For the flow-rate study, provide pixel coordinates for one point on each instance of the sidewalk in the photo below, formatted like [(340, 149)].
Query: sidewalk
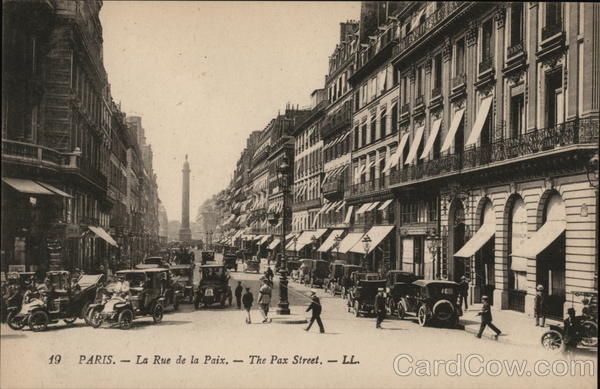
[(517, 328)]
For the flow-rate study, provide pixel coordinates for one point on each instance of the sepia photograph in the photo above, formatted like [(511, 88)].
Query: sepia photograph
[(299, 194)]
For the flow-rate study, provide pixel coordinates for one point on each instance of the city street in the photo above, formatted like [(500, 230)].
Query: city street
[(219, 337)]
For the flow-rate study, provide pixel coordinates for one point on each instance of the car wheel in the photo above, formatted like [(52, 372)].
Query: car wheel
[(553, 341), (84, 310), (38, 321), (400, 310), (422, 316), (589, 336), (126, 318), (157, 313), (93, 317), (356, 309), (15, 322), (70, 320), (196, 303)]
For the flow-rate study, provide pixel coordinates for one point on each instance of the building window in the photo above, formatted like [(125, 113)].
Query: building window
[(363, 133), (408, 213), (486, 41), (394, 118), (373, 127), (553, 14), (437, 74), (383, 124), (356, 137), (554, 98), (459, 64), (517, 115), (516, 24), (419, 82)]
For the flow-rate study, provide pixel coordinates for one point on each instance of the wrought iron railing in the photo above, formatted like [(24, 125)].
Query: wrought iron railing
[(372, 186), (515, 49), (436, 92), (551, 29), (30, 152), (405, 109), (577, 131), (334, 185), (419, 100), (485, 64)]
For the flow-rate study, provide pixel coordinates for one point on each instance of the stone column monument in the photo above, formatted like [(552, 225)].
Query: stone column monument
[(185, 234)]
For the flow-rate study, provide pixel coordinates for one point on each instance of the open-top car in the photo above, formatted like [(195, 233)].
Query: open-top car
[(362, 297), (207, 256), (20, 285), (183, 281), (398, 285), (230, 261), (432, 301), (252, 265), (336, 273), (59, 300), (141, 293), (214, 286), (150, 262), (319, 272)]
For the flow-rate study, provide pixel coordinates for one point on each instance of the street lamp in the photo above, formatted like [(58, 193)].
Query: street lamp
[(314, 245), (367, 244), (592, 176), (282, 180), (434, 244), (336, 245)]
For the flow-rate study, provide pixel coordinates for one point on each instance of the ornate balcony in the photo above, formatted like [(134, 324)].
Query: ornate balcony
[(515, 49), (31, 154), (486, 65), (334, 187), (551, 29), (367, 188), (534, 143), (459, 81), (419, 100)]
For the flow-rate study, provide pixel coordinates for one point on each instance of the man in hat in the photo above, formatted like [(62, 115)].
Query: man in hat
[(463, 292), (486, 318), (538, 307), (264, 300), (247, 300), (315, 307), (380, 307), (572, 325), (238, 294)]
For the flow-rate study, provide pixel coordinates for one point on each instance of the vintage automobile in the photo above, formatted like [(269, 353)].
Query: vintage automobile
[(346, 281), (183, 279), (318, 273), (292, 267), (398, 285), (207, 256), (146, 297), (252, 265), (336, 272), (432, 301), (214, 286), (21, 285), (363, 293), (58, 300), (305, 270), (230, 261), (150, 262)]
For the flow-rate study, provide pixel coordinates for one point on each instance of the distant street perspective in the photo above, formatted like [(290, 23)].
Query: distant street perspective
[(299, 194)]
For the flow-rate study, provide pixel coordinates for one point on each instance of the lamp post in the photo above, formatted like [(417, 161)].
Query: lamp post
[(336, 246), (592, 176), (434, 244), (282, 180), (367, 244), (314, 245)]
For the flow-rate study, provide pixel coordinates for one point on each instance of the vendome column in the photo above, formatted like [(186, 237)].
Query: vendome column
[(185, 234)]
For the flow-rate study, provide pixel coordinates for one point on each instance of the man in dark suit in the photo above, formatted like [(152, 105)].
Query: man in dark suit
[(463, 292), (380, 307), (315, 307), (486, 318)]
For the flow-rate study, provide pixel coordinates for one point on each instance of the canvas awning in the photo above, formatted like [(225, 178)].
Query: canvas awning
[(349, 214), (273, 245), (301, 242), (340, 206), (456, 120), (54, 189), (349, 241), (328, 244), (373, 206), (540, 239), (435, 128), (385, 204), (101, 233), (482, 115), (481, 237), (377, 235), (320, 232), (363, 208), (395, 158), (264, 239), (27, 186), (414, 147)]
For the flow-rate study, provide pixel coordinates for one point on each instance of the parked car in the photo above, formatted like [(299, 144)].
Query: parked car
[(305, 270), (59, 301), (252, 265), (214, 286), (336, 273), (363, 295), (319, 272), (21, 284), (230, 261), (355, 279), (183, 278), (398, 285), (207, 256), (146, 298), (432, 301), (346, 281)]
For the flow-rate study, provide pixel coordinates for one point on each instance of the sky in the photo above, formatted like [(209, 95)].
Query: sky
[(204, 75)]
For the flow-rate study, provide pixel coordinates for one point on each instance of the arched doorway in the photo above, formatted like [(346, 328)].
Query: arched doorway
[(457, 239), (550, 263), (485, 257), (517, 274)]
